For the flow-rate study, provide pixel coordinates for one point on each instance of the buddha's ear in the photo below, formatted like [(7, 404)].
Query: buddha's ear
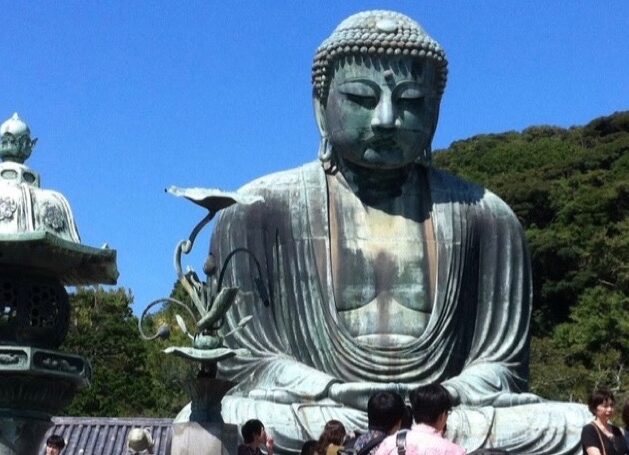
[(435, 120), (319, 110)]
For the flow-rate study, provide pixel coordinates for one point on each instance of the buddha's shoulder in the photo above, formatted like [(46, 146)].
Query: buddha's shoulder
[(279, 182), (449, 188)]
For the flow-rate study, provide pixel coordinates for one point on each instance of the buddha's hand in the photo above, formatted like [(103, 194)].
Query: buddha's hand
[(499, 399), (285, 381), (356, 394), (508, 399), (282, 396)]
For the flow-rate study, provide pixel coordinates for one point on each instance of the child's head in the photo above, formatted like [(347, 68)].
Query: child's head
[(54, 445), (253, 432)]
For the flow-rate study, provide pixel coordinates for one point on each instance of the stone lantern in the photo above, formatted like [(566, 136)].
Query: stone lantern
[(40, 253)]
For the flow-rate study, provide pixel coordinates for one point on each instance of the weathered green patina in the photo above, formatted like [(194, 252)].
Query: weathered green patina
[(383, 272)]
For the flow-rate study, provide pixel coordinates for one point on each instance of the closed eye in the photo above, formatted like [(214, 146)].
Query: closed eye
[(362, 92), (410, 93), (366, 101)]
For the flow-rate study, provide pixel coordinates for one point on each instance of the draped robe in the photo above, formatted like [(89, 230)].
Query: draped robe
[(476, 341)]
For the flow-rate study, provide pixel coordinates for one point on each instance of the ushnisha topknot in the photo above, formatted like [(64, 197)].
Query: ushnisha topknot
[(375, 33)]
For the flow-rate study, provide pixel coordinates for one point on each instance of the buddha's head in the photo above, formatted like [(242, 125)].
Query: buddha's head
[(378, 81)]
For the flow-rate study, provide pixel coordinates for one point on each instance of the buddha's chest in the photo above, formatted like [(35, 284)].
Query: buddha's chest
[(380, 256), (382, 264)]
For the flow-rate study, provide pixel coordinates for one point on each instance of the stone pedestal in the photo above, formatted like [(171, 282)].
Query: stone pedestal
[(201, 438), (199, 428)]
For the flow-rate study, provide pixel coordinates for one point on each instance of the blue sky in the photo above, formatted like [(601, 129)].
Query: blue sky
[(128, 98)]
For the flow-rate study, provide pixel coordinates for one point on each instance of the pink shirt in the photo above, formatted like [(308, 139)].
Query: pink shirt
[(421, 440)]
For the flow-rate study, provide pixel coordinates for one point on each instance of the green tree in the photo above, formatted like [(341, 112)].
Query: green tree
[(570, 190), (131, 376), (588, 351), (104, 330), (170, 374)]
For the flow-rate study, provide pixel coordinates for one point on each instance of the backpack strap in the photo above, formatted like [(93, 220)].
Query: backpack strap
[(371, 444), (400, 442), (600, 438)]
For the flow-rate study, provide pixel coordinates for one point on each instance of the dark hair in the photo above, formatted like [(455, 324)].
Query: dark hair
[(56, 442), (429, 402), (599, 396), (309, 447), (625, 413), (251, 429), (384, 410), (333, 433)]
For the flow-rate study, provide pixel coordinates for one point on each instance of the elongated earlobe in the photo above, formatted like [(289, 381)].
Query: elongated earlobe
[(425, 157), (319, 111), (326, 154), (325, 150)]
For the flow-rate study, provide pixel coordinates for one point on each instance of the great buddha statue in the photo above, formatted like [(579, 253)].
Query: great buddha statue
[(383, 273)]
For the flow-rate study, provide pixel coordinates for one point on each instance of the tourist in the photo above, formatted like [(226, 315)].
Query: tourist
[(254, 435), (600, 437), (385, 411), (431, 406), (55, 444), (332, 438)]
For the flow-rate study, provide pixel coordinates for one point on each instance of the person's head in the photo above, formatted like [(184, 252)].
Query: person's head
[(253, 432), (431, 404), (54, 445), (377, 85), (309, 448), (625, 413), (601, 403), (385, 411), (333, 433), (139, 440)]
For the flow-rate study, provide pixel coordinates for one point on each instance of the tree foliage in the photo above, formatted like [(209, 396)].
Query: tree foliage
[(131, 377), (570, 190), (104, 330)]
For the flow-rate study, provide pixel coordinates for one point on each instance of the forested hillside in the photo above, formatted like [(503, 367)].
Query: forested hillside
[(570, 190)]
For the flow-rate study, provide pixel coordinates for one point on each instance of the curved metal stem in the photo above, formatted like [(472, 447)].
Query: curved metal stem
[(198, 227), (185, 246), (183, 279), (161, 301)]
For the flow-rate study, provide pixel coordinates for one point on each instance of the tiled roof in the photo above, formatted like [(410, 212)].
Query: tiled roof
[(107, 436)]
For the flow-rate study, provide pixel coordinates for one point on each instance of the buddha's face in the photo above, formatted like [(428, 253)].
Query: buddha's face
[(381, 113)]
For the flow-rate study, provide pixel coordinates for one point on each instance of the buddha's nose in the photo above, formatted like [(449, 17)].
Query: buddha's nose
[(384, 115)]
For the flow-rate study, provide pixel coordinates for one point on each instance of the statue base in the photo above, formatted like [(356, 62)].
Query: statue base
[(200, 438), (199, 428)]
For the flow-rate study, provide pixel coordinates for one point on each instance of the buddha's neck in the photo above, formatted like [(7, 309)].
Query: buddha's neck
[(372, 185)]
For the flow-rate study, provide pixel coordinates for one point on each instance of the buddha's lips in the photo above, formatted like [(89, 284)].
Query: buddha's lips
[(386, 142), (382, 146)]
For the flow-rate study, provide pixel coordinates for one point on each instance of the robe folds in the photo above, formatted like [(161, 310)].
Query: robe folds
[(476, 342)]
